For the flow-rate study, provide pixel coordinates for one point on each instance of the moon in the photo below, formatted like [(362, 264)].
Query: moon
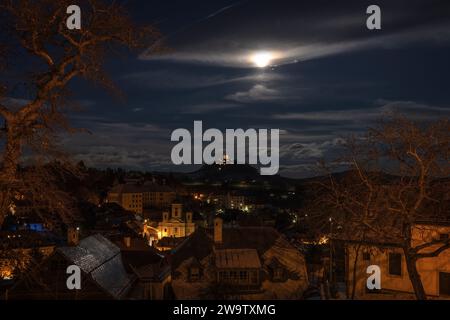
[(261, 59)]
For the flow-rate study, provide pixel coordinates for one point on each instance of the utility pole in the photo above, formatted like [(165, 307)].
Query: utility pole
[(331, 250)]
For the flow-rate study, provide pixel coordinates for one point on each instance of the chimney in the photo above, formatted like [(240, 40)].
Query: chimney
[(73, 236), (218, 230), (127, 241)]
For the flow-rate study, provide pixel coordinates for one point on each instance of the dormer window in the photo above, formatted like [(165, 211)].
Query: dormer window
[(277, 270), (194, 273), (278, 274)]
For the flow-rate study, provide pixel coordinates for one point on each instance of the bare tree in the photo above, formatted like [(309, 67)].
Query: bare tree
[(397, 178), (37, 34)]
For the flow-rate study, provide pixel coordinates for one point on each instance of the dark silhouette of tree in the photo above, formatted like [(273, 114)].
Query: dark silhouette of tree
[(38, 38), (396, 181)]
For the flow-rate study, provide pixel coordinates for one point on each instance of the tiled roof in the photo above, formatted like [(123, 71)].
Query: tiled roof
[(200, 244), (259, 238), (126, 188), (156, 188), (237, 258), (170, 241), (26, 239), (100, 258), (134, 188)]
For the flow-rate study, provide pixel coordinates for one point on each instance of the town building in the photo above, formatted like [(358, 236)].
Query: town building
[(22, 249), (126, 269), (128, 196), (148, 266), (103, 275), (434, 271), (176, 223), (135, 197), (157, 196), (239, 263)]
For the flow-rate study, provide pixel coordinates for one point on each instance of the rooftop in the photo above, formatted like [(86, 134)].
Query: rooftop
[(237, 258), (101, 260), (135, 188)]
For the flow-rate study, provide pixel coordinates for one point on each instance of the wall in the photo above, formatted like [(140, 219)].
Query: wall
[(428, 268)]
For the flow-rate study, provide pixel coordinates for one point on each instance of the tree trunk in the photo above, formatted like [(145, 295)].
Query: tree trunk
[(355, 264), (8, 170), (414, 276)]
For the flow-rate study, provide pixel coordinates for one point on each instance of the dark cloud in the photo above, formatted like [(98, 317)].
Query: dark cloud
[(330, 77)]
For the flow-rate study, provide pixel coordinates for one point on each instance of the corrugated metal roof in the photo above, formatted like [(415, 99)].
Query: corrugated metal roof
[(237, 258), (101, 259)]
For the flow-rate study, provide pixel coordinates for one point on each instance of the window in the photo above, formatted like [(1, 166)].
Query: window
[(243, 276), (444, 283), (366, 256), (278, 274), (443, 236), (194, 273), (395, 264), (223, 276)]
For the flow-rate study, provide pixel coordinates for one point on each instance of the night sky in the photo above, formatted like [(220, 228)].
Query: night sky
[(331, 77)]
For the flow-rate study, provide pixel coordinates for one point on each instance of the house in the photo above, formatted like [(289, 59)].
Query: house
[(166, 229), (434, 271), (128, 196), (168, 243), (236, 199), (135, 197), (237, 262), (177, 223), (21, 249), (103, 275), (150, 268), (157, 196)]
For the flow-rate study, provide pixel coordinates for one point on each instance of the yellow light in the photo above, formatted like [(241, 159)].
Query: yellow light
[(323, 240), (6, 273)]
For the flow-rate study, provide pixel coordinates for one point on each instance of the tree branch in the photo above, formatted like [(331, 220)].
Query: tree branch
[(434, 253)]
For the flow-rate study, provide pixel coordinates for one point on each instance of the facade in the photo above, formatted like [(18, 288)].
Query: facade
[(238, 267), (150, 269), (434, 271), (128, 196), (176, 223), (137, 197), (238, 200), (23, 247), (156, 196)]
